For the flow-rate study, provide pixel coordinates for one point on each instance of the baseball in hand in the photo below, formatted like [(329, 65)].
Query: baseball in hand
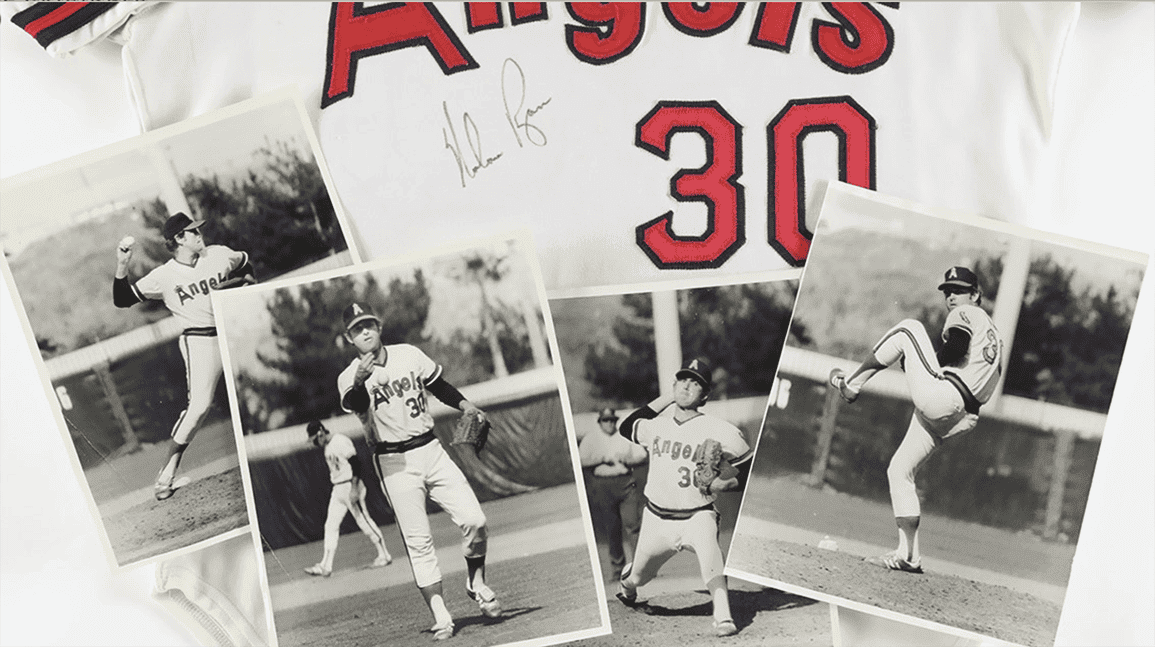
[(126, 243)]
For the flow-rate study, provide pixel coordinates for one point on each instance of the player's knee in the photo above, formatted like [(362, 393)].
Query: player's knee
[(899, 473), (911, 324), (474, 523), (420, 549), (197, 408)]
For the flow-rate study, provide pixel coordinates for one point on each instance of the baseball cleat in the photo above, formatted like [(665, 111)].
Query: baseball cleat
[(165, 489), (626, 595), (838, 381), (725, 628), (486, 600), (382, 560), (443, 632), (894, 563), (319, 570)]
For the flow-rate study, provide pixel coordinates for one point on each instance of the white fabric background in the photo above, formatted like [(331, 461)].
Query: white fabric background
[(55, 585)]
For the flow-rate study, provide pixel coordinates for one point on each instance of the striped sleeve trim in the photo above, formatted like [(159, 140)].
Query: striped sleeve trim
[(48, 22)]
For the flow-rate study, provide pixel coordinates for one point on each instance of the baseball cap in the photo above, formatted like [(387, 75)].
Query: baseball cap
[(699, 369), (356, 313), (607, 414), (315, 429), (960, 277), (177, 223)]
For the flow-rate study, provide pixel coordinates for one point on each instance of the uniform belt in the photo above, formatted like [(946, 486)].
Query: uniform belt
[(207, 331), (970, 402), (676, 515), (386, 447)]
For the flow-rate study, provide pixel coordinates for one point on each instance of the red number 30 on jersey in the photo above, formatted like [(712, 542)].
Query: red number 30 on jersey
[(716, 184)]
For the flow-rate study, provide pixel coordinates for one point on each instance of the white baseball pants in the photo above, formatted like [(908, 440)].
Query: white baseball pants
[(428, 471), (202, 361), (939, 412)]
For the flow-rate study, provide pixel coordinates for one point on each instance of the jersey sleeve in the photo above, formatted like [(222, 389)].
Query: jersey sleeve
[(344, 384), (150, 286), (734, 446), (62, 28), (643, 431), (960, 318), (236, 260), (343, 447), (427, 369)]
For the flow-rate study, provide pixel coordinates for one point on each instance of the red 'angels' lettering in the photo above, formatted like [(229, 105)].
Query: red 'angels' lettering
[(480, 16), (859, 42), (713, 18), (860, 39), (716, 183), (608, 31), (356, 32), (774, 25)]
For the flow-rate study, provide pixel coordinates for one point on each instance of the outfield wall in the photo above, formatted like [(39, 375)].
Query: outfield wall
[(527, 449), (1026, 466), (130, 389)]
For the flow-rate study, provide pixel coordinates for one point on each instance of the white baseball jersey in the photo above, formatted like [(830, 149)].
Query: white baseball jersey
[(674, 450), (399, 402), (185, 288), (639, 141), (981, 366), (338, 452)]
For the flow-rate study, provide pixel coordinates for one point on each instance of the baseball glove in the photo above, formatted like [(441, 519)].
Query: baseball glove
[(709, 466), (472, 429)]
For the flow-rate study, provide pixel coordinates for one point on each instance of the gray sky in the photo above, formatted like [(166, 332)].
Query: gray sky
[(45, 201)]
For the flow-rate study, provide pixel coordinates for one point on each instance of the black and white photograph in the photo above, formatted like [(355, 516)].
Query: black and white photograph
[(668, 386), (950, 378), (412, 467), (113, 256)]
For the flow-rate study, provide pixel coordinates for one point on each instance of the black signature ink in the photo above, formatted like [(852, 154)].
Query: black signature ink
[(520, 124), (472, 139)]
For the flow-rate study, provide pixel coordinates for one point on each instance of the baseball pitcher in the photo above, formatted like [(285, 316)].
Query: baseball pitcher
[(393, 382), (183, 283), (685, 478), (947, 388)]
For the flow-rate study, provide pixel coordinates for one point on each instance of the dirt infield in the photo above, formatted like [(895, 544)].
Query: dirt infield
[(203, 509), (538, 563), (988, 609), (535, 605), (765, 617), (978, 579)]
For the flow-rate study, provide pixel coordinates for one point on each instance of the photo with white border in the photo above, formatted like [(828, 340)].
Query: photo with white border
[(377, 522), (654, 372), (1005, 345), (112, 256)]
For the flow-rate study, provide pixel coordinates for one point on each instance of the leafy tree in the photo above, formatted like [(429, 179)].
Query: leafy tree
[(482, 269), (625, 368), (279, 212), (476, 354), (1068, 345), (311, 350), (739, 328)]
